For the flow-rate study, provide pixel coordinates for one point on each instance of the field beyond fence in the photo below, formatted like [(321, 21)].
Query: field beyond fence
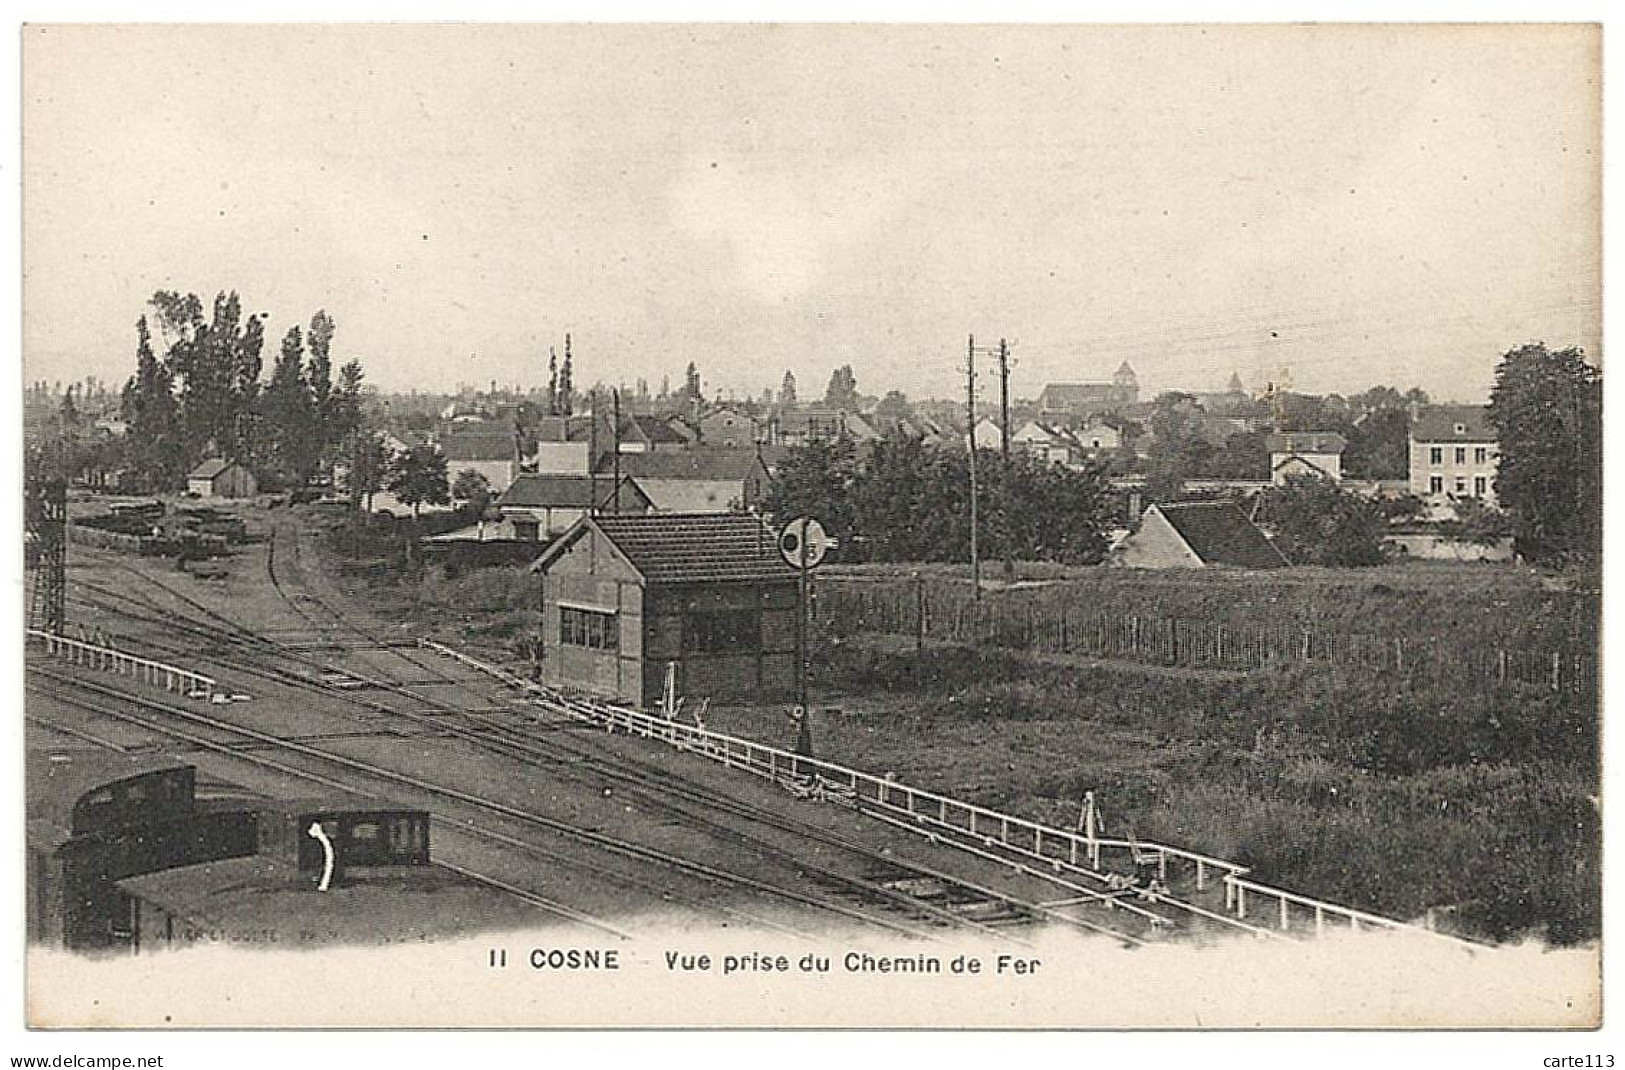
[(1062, 621)]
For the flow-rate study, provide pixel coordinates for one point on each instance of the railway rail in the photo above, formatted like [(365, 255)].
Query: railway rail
[(944, 897), (233, 741)]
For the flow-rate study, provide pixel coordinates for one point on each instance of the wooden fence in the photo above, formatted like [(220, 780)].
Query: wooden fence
[(1045, 851), (905, 608)]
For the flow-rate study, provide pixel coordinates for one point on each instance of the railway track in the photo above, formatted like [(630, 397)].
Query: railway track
[(194, 740), (238, 743), (943, 897)]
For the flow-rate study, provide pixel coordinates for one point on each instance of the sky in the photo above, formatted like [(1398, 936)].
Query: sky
[(1358, 204)]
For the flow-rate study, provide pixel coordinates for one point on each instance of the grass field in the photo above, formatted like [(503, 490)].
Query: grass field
[(1354, 790), (1381, 791)]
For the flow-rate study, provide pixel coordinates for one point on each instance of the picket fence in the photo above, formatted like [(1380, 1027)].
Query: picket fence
[(846, 606)]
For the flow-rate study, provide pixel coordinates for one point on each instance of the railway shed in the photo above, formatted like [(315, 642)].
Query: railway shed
[(705, 596)]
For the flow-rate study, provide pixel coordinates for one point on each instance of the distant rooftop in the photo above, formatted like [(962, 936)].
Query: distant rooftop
[(1453, 423)]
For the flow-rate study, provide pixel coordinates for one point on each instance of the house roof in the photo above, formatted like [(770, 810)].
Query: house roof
[(653, 428), (685, 547), (210, 468), (570, 491), (1220, 534), (1077, 393), (716, 463), (1438, 423), (478, 446), (1306, 442)]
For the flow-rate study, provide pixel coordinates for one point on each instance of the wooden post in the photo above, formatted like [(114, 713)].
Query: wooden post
[(919, 612)]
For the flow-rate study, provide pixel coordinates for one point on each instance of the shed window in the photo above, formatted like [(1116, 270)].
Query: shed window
[(589, 628), (735, 630)]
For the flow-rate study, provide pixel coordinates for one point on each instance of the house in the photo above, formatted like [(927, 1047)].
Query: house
[(540, 506), (1042, 442), (491, 450), (989, 435), (1098, 435), (706, 479), (1454, 452), (221, 478), (705, 597), (1060, 401), (728, 428), (1197, 535), (1305, 453), (801, 426), (644, 433)]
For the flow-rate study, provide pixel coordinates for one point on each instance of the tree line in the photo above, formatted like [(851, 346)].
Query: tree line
[(197, 392), (899, 499)]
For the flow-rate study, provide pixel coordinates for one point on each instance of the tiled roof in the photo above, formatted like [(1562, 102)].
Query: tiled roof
[(209, 469), (689, 547), (695, 547), (478, 446), (566, 491), (1072, 393), (1306, 442), (653, 428), (1220, 534), (1438, 423), (717, 463)]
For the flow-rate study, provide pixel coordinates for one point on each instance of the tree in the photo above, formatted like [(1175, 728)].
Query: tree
[(473, 490), (149, 406), (419, 476), (816, 480), (290, 414), (787, 390), (552, 382), (344, 415), (320, 372), (1379, 445), (1547, 410), (216, 361), (691, 384), (566, 389), (1317, 522), (842, 392), (894, 406), (369, 467)]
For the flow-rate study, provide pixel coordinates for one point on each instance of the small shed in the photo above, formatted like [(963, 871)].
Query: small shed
[(625, 599), (1198, 535), (219, 477)]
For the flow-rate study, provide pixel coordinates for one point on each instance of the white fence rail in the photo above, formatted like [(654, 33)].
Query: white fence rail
[(169, 677), (1060, 850)]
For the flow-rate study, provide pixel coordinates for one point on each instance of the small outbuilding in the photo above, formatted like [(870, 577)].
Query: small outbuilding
[(219, 477), (705, 596), (1198, 535)]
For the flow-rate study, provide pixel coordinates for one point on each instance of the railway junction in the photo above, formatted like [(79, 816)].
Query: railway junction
[(574, 812)]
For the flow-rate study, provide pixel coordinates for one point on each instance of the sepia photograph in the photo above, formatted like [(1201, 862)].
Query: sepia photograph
[(819, 526)]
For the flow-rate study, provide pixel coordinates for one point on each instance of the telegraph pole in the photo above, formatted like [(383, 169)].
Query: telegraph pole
[(970, 422), (615, 491), (592, 454), (1004, 448)]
